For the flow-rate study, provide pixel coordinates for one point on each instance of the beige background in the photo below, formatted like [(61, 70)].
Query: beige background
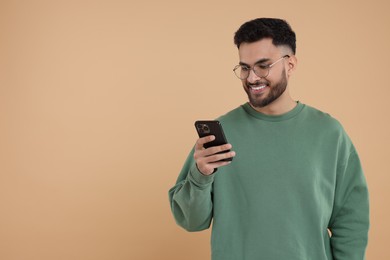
[(98, 100)]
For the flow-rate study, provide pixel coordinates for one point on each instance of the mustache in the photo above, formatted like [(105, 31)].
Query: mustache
[(257, 83)]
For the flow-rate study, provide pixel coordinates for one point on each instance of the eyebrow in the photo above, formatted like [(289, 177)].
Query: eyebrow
[(257, 62)]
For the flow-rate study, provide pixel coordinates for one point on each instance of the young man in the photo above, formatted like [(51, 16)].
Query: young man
[(295, 175)]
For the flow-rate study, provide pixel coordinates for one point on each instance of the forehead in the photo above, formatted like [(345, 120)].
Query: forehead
[(249, 53)]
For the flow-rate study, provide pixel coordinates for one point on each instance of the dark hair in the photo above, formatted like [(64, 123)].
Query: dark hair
[(277, 29)]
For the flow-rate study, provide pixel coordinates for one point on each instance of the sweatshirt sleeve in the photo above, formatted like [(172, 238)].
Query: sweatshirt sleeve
[(191, 197), (349, 222)]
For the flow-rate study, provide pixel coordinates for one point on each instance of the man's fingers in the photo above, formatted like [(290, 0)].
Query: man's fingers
[(218, 164), (201, 141), (218, 157), (207, 165), (218, 149), (213, 157), (199, 153)]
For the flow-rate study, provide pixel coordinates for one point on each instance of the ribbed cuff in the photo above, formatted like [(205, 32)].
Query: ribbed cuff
[(198, 178)]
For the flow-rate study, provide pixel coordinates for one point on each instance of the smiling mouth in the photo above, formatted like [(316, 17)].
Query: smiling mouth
[(258, 87)]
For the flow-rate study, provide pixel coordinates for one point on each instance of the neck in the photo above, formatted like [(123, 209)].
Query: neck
[(280, 106)]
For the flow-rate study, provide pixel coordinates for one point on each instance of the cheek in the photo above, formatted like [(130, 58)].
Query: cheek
[(288, 70), (276, 78), (244, 83)]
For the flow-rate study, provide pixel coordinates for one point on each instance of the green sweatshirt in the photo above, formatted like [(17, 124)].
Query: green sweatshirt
[(294, 177)]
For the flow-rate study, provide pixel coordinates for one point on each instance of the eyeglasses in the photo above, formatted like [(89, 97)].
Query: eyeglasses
[(262, 71)]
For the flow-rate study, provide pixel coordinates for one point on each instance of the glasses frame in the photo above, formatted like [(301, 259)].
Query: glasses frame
[(253, 69)]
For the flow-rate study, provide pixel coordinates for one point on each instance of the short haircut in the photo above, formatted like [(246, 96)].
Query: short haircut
[(261, 28)]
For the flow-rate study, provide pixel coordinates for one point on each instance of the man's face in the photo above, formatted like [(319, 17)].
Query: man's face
[(263, 91)]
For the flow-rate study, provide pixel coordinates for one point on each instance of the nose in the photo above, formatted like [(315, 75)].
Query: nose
[(252, 77)]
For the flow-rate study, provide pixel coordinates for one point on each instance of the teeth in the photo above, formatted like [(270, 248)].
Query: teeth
[(258, 87)]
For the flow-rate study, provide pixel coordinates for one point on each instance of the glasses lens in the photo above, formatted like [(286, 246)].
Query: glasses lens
[(261, 70), (241, 72)]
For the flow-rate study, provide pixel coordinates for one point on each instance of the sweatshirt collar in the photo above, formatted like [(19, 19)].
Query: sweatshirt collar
[(290, 114)]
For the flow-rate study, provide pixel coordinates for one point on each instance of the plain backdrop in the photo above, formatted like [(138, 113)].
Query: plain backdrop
[(98, 101)]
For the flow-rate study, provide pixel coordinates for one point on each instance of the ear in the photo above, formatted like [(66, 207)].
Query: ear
[(292, 63)]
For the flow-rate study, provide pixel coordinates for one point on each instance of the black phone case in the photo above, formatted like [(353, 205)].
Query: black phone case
[(212, 127)]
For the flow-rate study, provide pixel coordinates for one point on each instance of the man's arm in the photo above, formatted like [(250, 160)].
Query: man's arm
[(191, 197), (349, 223)]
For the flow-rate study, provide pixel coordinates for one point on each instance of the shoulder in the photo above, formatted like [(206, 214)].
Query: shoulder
[(328, 126), (321, 119)]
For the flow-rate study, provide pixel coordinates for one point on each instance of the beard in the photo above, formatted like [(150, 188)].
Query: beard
[(275, 91)]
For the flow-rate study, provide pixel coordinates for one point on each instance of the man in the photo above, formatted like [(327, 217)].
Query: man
[(295, 189)]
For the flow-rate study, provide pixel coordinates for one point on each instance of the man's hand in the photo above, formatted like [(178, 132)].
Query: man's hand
[(209, 159)]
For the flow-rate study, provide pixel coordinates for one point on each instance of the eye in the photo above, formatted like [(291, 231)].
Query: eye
[(262, 67), (245, 68)]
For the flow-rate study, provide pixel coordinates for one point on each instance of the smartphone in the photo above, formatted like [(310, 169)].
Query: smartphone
[(212, 127)]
